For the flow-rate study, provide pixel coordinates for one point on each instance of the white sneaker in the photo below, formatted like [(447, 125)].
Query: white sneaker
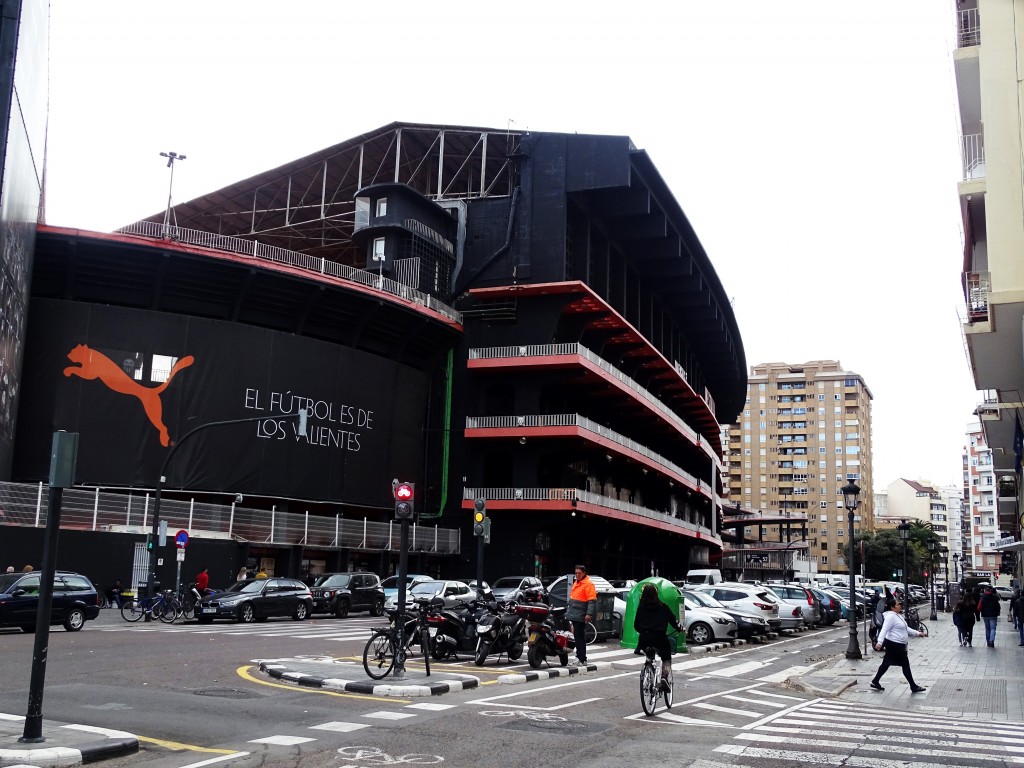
[(573, 663)]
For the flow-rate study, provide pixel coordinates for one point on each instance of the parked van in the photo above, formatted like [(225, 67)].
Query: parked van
[(704, 576)]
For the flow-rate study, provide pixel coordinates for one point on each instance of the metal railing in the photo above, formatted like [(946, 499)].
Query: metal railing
[(568, 494), (304, 261), (575, 420), (977, 287), (968, 28), (972, 154), (91, 509), (551, 350)]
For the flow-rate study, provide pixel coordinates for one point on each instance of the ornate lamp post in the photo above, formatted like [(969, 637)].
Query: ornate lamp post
[(931, 572), (956, 559), (944, 559), (904, 529), (850, 494)]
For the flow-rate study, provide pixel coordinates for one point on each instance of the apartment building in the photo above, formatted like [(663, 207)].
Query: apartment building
[(925, 502), (988, 38), (981, 528), (804, 431)]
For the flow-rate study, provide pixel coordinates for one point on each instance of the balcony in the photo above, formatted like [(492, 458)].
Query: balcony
[(977, 287), (972, 155), (570, 499), (968, 28), (572, 424)]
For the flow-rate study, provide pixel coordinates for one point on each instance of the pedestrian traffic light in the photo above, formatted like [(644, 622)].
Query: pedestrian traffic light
[(405, 501), (479, 516), (149, 542)]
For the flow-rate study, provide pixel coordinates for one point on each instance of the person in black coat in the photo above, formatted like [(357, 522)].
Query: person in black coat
[(989, 609), (651, 623)]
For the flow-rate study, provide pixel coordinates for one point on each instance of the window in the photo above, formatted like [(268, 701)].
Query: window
[(823, 504), (378, 248), (382, 207), (839, 531), (837, 397)]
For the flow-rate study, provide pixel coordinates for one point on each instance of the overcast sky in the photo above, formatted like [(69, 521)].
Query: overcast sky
[(812, 145)]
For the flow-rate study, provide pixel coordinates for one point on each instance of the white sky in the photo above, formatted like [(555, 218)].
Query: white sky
[(813, 145)]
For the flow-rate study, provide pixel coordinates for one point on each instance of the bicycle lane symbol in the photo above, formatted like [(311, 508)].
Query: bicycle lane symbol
[(370, 756)]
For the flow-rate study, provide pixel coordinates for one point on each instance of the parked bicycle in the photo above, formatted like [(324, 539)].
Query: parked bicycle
[(650, 679), (158, 607), (383, 648)]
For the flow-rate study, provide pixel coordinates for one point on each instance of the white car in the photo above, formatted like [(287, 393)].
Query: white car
[(454, 594), (754, 599), (1005, 593), (708, 625)]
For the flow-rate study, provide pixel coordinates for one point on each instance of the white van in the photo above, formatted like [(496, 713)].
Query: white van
[(704, 576)]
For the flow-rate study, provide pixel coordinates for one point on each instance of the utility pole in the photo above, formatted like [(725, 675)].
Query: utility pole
[(171, 157)]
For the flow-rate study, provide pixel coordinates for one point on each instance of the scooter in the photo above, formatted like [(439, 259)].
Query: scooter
[(544, 638), (453, 630), (500, 630)]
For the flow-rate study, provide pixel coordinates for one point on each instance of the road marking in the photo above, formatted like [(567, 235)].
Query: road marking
[(179, 746), (340, 727), (282, 741), (759, 702), (213, 760), (727, 710)]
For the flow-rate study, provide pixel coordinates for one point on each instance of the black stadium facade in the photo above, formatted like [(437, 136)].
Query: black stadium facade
[(526, 318)]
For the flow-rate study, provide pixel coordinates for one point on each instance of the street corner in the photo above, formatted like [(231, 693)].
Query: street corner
[(334, 675)]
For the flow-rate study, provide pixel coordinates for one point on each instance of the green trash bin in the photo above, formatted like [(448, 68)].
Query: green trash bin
[(669, 594)]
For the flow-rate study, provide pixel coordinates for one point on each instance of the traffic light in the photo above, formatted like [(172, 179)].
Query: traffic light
[(479, 517), (405, 501), (149, 542)]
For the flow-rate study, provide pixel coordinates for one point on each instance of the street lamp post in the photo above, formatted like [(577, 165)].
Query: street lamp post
[(931, 573), (171, 157), (850, 494), (904, 529), (956, 559), (944, 559)]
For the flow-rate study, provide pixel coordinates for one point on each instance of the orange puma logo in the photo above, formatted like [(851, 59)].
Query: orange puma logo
[(95, 365)]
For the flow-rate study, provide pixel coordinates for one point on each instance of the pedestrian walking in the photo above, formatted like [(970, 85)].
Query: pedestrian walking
[(1012, 612), (967, 610), (202, 581), (243, 574), (989, 609), (893, 638), (10, 569), (582, 606), (1018, 614)]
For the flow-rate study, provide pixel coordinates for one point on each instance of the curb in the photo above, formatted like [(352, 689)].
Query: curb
[(115, 746), (281, 672), (547, 674), (831, 693)]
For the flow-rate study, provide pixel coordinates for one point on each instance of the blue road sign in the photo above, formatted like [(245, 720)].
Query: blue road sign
[(181, 539)]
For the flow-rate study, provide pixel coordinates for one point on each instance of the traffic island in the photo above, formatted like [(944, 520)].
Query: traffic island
[(335, 675)]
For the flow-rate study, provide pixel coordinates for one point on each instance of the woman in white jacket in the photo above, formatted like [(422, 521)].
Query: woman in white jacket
[(893, 637)]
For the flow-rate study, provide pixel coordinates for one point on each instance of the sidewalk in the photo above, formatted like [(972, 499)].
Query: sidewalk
[(974, 683), (64, 745)]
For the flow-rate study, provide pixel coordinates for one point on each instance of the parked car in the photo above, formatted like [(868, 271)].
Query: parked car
[(342, 593), (707, 625), (796, 595), (844, 598), (75, 600), (1005, 593), (454, 593), (472, 585), (747, 624), (390, 584), (831, 606), (754, 599), (512, 587), (258, 600)]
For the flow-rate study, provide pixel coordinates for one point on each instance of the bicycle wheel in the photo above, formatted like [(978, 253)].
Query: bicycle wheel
[(379, 654), (648, 689), (132, 610), (590, 633), (188, 609), (171, 611), (425, 647), (668, 693)]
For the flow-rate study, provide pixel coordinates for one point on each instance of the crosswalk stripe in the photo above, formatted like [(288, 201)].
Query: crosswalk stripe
[(738, 669), (729, 710), (951, 740), (757, 692), (795, 671), (825, 758), (759, 702), (789, 740)]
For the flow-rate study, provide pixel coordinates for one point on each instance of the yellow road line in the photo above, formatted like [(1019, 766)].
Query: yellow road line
[(243, 672), (177, 746)]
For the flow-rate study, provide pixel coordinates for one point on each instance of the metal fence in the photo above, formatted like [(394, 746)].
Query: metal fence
[(92, 509), (292, 258), (972, 147)]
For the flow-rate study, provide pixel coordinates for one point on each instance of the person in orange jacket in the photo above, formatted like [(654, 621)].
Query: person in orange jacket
[(581, 608)]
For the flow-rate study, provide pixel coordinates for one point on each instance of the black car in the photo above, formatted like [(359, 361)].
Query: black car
[(257, 600), (74, 600), (341, 593)]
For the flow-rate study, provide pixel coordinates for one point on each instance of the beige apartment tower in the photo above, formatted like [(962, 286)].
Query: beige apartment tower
[(805, 430)]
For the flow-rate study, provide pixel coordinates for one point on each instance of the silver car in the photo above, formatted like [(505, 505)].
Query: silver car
[(795, 595), (707, 625), (755, 599), (454, 593)]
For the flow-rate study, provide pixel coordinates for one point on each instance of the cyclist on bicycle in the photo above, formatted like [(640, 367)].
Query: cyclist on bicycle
[(651, 623)]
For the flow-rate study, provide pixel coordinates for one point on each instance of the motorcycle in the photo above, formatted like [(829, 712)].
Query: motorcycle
[(453, 630), (500, 630), (545, 639)]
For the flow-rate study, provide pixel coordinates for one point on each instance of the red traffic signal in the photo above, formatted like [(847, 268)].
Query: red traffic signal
[(404, 492)]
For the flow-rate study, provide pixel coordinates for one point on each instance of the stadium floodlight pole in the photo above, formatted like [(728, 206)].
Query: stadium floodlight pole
[(171, 157), (850, 493), (302, 415)]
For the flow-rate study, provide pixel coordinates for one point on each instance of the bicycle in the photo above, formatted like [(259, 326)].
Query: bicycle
[(383, 648), (650, 679), (158, 607)]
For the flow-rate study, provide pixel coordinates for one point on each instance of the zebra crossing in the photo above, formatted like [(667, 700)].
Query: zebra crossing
[(827, 732)]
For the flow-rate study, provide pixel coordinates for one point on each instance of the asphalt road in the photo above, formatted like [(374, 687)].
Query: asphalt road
[(195, 697)]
